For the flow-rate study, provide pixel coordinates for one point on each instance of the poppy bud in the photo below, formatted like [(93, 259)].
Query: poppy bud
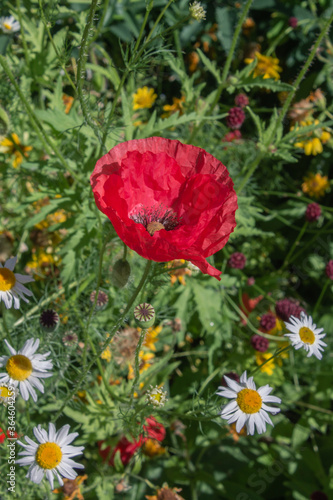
[(49, 320), (120, 273), (144, 315)]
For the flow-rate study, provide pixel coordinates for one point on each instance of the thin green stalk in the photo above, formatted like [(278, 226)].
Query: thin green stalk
[(257, 332), (137, 365), (105, 345), (81, 65), (101, 21), (150, 34), (320, 298), (310, 242), (49, 145), (275, 355), (63, 66), (5, 326), (296, 242), (179, 49), (226, 67), (24, 42)]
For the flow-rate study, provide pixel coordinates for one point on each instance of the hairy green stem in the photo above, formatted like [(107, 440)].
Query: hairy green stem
[(5, 326), (81, 65), (63, 66), (24, 42), (296, 242), (49, 145), (137, 365)]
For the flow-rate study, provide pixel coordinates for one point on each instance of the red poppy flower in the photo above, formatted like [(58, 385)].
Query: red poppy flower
[(127, 449), (154, 429), (9, 434), (166, 200)]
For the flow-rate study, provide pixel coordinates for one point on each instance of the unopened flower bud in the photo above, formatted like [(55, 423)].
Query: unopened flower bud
[(120, 273), (156, 396), (49, 320), (144, 315)]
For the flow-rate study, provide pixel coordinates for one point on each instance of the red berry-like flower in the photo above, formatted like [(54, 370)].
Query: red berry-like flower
[(288, 307), (293, 22), (232, 136), (241, 100), (329, 269), (231, 375), (268, 322), (237, 260), (259, 343), (236, 117), (313, 212), (127, 449), (166, 200)]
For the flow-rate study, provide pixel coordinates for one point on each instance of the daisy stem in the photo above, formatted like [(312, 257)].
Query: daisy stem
[(5, 326), (275, 355), (296, 242), (222, 83), (48, 144), (320, 298), (137, 365), (24, 42)]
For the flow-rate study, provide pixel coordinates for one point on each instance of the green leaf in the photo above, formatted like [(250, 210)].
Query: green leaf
[(208, 303), (76, 415), (225, 17), (58, 119), (257, 123), (210, 65), (265, 83)]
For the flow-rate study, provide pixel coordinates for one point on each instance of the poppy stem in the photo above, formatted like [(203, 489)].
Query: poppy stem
[(137, 366), (296, 242), (24, 42), (320, 298)]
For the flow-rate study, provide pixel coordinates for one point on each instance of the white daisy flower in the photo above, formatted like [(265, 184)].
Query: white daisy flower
[(9, 25), (305, 334), (52, 456), (248, 405), (11, 285), (156, 396), (24, 368), (8, 394)]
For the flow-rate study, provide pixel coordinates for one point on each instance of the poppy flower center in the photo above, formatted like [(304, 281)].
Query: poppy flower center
[(249, 401), (7, 279), (307, 336), (48, 455), (156, 218), (19, 367)]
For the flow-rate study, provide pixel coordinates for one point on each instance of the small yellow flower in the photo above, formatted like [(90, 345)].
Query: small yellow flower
[(152, 337), (152, 448), (178, 273), (312, 145), (266, 66), (177, 105), (68, 102), (261, 357), (144, 98), (42, 264), (144, 360), (315, 185), (12, 146)]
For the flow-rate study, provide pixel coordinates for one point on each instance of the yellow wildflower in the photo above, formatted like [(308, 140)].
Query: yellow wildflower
[(177, 105), (42, 264), (152, 337), (315, 185), (261, 357), (317, 137), (68, 102), (144, 363), (152, 448), (11, 145), (106, 354), (266, 66), (178, 273), (71, 488), (144, 98)]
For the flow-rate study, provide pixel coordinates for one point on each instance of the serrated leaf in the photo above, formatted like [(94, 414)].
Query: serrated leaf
[(265, 83), (210, 65), (68, 266), (58, 119), (257, 123)]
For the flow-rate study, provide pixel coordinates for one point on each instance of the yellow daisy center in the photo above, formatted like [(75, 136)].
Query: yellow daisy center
[(7, 26), (4, 392), (307, 335), (7, 279), (157, 396), (19, 367), (249, 401), (48, 455)]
